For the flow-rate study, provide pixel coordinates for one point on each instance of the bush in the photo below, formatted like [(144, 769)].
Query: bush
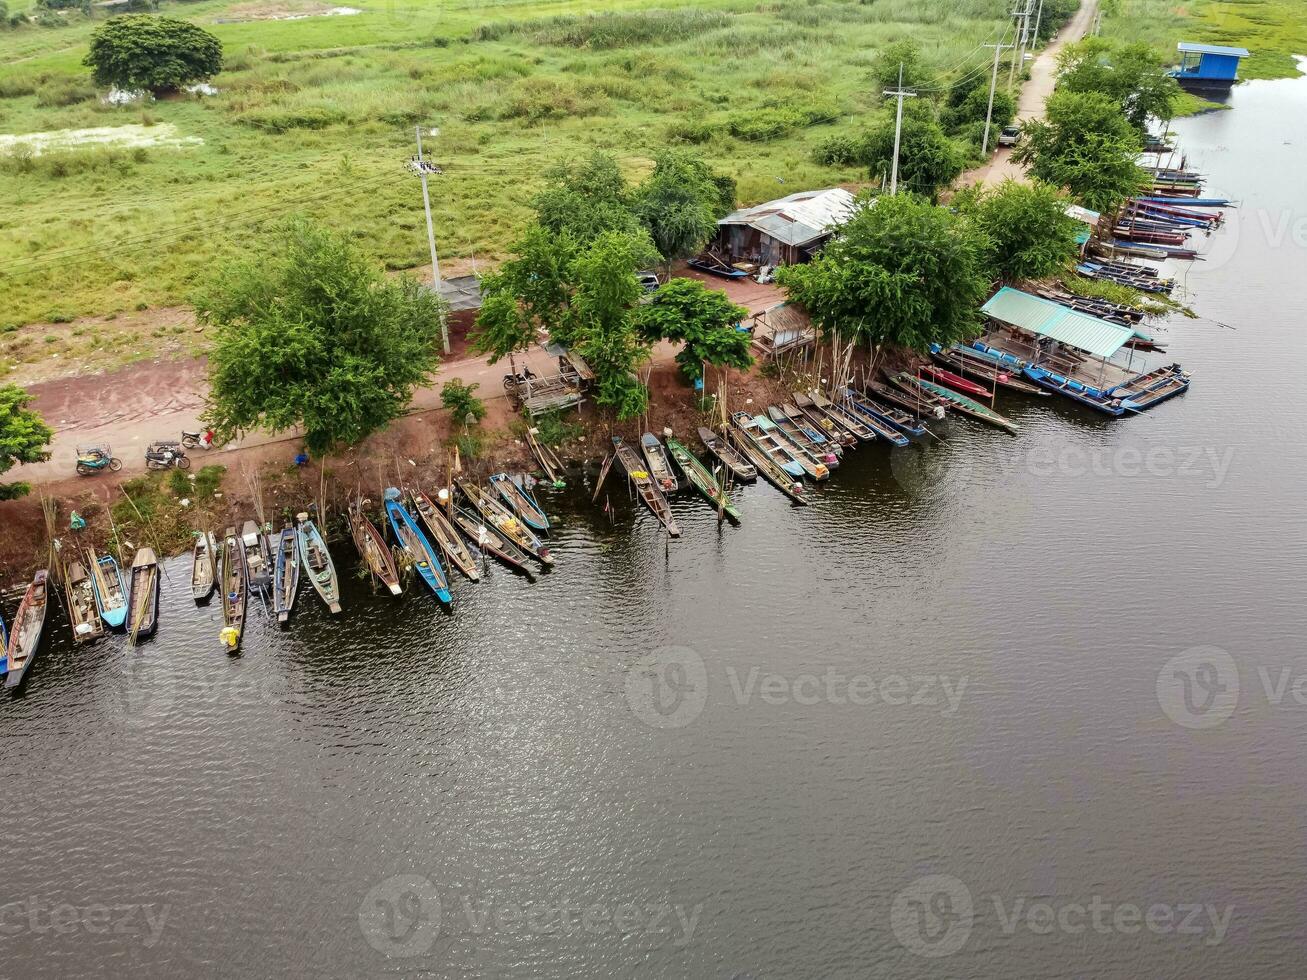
[(462, 401), (538, 99), (611, 29), (64, 92), (841, 150), (284, 119), (690, 131)]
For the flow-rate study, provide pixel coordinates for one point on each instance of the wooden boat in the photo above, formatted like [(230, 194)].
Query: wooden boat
[(966, 361), (701, 479), (740, 467), (286, 574), (659, 468), (955, 382), (420, 552), (258, 559), (143, 596), (204, 566), (110, 592), (833, 418), (520, 500), (505, 522), (233, 581), (475, 529), (786, 483), (446, 537), (819, 446), (645, 486), (917, 403), (4, 646), (960, 403), (372, 548), (549, 462), (769, 430), (83, 615), (25, 637), (316, 559), (749, 431), (904, 423), (850, 404)]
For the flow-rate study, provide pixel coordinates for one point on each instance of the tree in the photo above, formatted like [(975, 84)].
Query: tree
[(24, 437), (161, 54), (902, 271), (680, 202), (461, 400), (1030, 234), (1133, 74), (585, 199), (928, 159), (311, 333), (905, 54), (1086, 145), (686, 311), (529, 294), (975, 105)]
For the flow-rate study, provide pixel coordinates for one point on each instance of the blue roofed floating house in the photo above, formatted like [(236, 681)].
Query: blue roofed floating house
[(1210, 66), (1074, 354)]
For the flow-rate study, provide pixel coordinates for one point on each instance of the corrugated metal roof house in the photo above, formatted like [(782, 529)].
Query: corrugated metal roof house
[(785, 231), (1207, 65)]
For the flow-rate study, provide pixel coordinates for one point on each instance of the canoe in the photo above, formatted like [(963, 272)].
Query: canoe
[(110, 592), (419, 551), (4, 646), (83, 615), (25, 637), (645, 486), (955, 381), (882, 429), (916, 403), (316, 559), (520, 500), (815, 443), (143, 596), (372, 548), (749, 430), (204, 566), (549, 462), (445, 536), (701, 479), (258, 559), (964, 360), (234, 583), (959, 402), (504, 521), (732, 460), (478, 533), (286, 574), (659, 469), (792, 486), (903, 422), (833, 418), (770, 431)]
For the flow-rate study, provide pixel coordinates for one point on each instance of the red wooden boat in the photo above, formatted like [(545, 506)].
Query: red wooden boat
[(956, 381)]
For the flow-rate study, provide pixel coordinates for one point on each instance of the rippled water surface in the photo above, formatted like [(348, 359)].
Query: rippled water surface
[(955, 664)]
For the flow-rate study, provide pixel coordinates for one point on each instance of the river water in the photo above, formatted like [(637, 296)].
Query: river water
[(1020, 707)]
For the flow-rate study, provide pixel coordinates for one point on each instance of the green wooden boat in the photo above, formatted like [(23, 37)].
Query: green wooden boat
[(702, 479), (956, 401)]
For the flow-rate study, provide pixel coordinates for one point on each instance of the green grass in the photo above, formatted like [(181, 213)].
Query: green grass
[(317, 115)]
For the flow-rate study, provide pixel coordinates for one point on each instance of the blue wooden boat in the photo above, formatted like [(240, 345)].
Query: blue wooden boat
[(316, 559), (415, 544), (1139, 393), (4, 646), (749, 429), (1189, 202), (520, 500), (286, 574), (892, 424), (110, 592)]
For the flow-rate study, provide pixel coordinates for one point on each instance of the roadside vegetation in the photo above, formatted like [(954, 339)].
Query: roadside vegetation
[(24, 437)]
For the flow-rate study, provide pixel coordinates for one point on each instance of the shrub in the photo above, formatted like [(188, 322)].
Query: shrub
[(537, 99), (64, 92), (281, 120), (462, 401), (690, 131)]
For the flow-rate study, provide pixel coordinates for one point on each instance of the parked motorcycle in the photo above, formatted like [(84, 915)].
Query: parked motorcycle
[(197, 440), (93, 459), (165, 455)]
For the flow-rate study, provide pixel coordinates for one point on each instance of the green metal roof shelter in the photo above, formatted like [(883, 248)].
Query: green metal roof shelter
[(1037, 315)]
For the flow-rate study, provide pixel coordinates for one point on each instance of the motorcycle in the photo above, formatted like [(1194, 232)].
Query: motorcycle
[(196, 440), (93, 459), (165, 455)]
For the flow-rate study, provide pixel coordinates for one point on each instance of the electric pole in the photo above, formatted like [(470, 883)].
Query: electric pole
[(1012, 70), (900, 93), (1039, 16), (993, 82), (431, 240)]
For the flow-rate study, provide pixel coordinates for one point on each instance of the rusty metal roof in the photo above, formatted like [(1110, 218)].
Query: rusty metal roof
[(798, 219)]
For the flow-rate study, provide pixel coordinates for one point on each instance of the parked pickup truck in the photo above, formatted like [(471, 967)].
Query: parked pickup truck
[(1009, 136)]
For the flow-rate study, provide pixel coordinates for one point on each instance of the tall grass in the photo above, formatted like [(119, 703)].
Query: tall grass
[(612, 29)]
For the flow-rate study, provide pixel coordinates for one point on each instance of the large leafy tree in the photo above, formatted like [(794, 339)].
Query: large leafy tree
[(311, 333), (905, 55), (1133, 74), (1030, 234), (24, 436), (928, 159), (902, 271), (703, 320), (1086, 145), (530, 293), (680, 202), (161, 54), (586, 198)]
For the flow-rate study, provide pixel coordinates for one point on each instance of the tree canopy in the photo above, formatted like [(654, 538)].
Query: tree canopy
[(24, 436), (161, 54), (928, 159), (311, 333), (680, 202), (586, 198), (902, 271), (1133, 74), (1030, 234), (702, 319)]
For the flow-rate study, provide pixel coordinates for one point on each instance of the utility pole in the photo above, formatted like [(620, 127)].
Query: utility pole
[(1039, 16), (900, 93), (993, 82), (1012, 69), (431, 240)]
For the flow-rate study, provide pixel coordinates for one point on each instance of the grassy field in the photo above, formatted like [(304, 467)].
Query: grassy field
[(317, 115)]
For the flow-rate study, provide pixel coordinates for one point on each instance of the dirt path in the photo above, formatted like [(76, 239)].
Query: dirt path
[(1034, 94)]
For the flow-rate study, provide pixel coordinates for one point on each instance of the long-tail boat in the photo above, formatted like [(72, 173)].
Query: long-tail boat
[(896, 419), (372, 548), (645, 486), (740, 467), (316, 559), (833, 418), (700, 477), (504, 521), (414, 544), (769, 430), (965, 360), (446, 537), (143, 595), (955, 382), (4, 646), (918, 403), (286, 574), (788, 484), (659, 468), (258, 559), (25, 637), (475, 529), (520, 500), (549, 462), (110, 592), (750, 432), (816, 443), (234, 582), (959, 402), (885, 431), (83, 615), (204, 566)]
